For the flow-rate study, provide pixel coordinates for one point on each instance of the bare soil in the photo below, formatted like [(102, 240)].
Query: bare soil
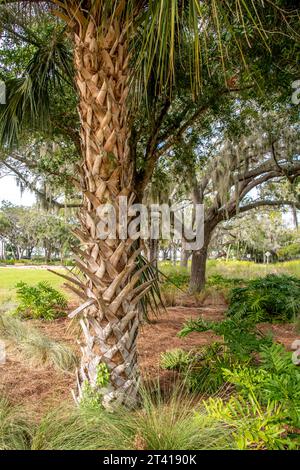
[(40, 388)]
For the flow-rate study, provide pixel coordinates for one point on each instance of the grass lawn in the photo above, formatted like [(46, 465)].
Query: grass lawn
[(249, 270), (231, 269), (9, 277)]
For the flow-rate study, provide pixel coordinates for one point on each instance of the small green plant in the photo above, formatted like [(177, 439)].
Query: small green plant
[(40, 301), (239, 335), (202, 370), (175, 359), (92, 396), (275, 379), (102, 375), (253, 426), (274, 298)]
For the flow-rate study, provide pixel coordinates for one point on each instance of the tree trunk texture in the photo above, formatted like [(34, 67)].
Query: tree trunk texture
[(198, 269), (199, 258), (295, 216), (153, 252), (110, 292)]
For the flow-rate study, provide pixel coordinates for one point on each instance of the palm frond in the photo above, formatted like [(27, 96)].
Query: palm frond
[(171, 34), (152, 300), (163, 36), (28, 96)]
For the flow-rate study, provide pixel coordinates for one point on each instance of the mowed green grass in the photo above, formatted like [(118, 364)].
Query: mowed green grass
[(9, 277)]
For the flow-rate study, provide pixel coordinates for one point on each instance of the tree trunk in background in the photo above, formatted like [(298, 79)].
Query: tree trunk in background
[(109, 314), (295, 216), (198, 269), (185, 255), (19, 253), (174, 255), (199, 258), (48, 253), (2, 249)]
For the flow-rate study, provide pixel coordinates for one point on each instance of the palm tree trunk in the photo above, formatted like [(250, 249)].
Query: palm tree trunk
[(154, 252), (109, 314)]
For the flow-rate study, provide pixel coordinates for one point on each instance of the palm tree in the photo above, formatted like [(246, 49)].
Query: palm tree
[(120, 46)]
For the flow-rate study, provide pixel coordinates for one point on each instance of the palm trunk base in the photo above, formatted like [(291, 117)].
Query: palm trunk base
[(109, 372)]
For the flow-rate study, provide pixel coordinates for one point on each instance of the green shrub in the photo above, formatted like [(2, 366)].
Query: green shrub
[(253, 426), (175, 359), (239, 335), (40, 301), (7, 262), (240, 340), (289, 252), (205, 374), (272, 298), (276, 379), (202, 370)]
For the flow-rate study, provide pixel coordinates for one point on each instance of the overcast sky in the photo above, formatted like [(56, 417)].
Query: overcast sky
[(9, 191)]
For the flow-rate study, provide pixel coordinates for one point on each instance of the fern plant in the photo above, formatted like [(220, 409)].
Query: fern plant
[(175, 359), (272, 298), (253, 426), (239, 335), (205, 375), (276, 379), (202, 370)]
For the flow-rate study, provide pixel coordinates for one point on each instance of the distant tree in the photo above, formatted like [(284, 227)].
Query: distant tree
[(251, 234), (14, 229), (53, 234), (230, 173), (25, 229)]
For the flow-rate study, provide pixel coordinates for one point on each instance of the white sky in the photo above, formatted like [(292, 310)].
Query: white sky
[(9, 191)]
